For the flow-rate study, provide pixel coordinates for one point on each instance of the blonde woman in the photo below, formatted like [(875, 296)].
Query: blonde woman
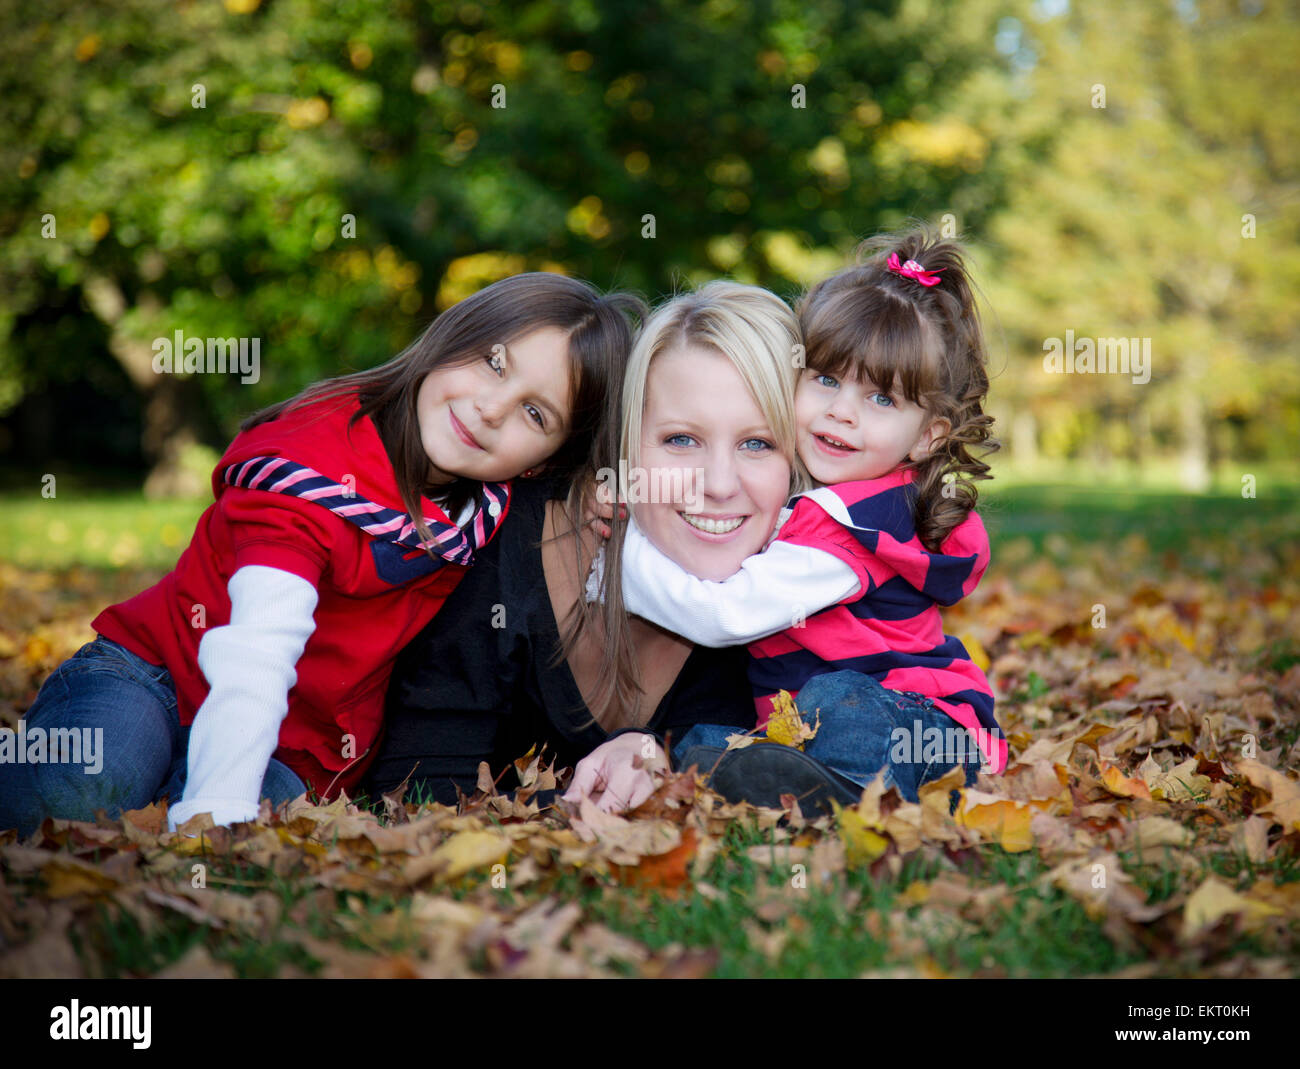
[(706, 411)]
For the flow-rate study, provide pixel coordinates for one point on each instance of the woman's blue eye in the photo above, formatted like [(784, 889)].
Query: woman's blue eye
[(763, 443), (679, 439)]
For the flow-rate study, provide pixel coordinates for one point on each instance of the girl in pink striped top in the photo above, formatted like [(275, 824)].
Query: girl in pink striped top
[(841, 608)]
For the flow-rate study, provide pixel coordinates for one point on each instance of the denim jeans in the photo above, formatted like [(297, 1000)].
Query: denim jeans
[(105, 692), (865, 728)]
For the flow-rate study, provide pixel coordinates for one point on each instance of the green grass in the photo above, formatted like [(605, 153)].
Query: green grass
[(1107, 516), (89, 525), (97, 530)]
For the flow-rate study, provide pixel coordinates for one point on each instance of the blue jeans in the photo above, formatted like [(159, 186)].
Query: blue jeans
[(865, 728), (132, 745)]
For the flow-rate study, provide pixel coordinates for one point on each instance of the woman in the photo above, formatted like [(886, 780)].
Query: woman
[(709, 395)]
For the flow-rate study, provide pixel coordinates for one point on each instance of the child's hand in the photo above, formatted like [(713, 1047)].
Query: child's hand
[(602, 509), (619, 774)]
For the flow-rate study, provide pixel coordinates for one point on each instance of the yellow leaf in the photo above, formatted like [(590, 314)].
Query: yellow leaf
[(1214, 900), (786, 725), (466, 851), (68, 876), (1179, 784), (862, 845), (1003, 821), (975, 650), (1117, 783), (1285, 792)]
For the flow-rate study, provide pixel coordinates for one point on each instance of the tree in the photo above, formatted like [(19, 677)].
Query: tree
[(1154, 197), (322, 178)]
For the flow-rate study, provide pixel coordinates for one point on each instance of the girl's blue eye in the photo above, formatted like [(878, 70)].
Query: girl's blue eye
[(883, 398), (827, 381), (763, 444), (679, 439), (536, 413), (495, 363)]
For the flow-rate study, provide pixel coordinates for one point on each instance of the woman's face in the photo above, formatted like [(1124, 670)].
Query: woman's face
[(701, 420)]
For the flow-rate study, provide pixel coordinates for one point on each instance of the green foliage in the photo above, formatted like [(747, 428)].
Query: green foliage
[(1151, 196), (228, 220), (468, 141)]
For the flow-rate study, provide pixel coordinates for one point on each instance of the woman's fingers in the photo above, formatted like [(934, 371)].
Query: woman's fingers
[(628, 788), (586, 778)]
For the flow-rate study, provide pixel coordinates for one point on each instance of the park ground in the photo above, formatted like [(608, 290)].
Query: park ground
[(1145, 649)]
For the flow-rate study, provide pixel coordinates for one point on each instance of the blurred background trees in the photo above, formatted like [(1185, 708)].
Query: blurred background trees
[(326, 177)]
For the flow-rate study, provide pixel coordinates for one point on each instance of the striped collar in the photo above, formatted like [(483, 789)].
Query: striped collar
[(457, 545)]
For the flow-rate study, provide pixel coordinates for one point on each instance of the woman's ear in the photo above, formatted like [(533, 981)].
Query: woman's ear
[(930, 437)]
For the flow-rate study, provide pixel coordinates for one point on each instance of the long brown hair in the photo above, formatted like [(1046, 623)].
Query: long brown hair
[(600, 336), (871, 323)]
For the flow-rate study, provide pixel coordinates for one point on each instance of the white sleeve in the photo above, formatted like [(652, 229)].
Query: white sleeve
[(250, 667), (771, 591)]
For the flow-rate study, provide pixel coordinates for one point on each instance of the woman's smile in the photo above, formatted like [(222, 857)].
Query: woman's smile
[(715, 528)]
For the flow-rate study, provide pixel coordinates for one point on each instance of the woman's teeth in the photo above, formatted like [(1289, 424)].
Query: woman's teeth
[(713, 526)]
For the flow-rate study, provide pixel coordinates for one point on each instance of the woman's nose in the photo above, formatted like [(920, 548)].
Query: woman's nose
[(720, 476)]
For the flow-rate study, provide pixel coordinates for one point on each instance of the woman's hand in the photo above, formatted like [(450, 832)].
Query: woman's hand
[(619, 774)]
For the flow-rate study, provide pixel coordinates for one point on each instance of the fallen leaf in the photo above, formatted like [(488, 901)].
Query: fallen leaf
[(1213, 901), (464, 852)]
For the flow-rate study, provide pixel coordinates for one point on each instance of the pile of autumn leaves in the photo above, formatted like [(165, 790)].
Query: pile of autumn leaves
[(1149, 744)]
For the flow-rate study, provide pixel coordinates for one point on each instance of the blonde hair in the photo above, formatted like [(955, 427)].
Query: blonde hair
[(752, 328), (759, 334)]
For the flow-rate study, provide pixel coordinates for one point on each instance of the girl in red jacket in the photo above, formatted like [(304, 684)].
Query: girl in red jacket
[(342, 520)]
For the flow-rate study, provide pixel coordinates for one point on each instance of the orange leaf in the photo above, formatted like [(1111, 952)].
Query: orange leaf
[(664, 871), (1119, 784)]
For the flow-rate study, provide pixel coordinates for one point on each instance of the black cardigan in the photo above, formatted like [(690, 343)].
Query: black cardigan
[(477, 684)]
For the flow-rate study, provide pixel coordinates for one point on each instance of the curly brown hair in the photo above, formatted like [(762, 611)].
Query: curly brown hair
[(871, 323)]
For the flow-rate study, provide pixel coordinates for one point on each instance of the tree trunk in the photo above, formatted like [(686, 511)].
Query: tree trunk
[(1024, 436), (1194, 449), (170, 403)]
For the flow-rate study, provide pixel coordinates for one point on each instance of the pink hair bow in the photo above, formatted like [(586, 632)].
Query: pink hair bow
[(913, 270)]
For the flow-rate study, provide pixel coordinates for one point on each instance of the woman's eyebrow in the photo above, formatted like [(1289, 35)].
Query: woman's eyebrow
[(692, 425), (676, 421)]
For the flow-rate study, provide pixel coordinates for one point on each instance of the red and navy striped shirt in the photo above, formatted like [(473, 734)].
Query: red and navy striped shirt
[(890, 628)]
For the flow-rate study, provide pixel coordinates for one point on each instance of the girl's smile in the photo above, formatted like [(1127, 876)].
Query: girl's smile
[(459, 428)]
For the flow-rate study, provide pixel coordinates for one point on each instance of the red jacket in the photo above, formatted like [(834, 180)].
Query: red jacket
[(375, 592)]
